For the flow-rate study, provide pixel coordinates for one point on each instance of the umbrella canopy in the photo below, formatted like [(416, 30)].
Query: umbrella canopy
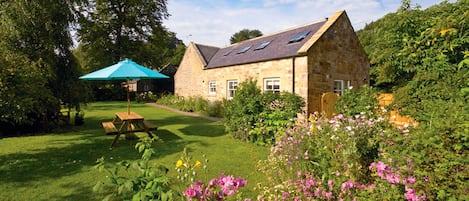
[(124, 70)]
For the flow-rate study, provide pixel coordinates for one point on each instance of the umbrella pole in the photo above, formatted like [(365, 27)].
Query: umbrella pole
[(128, 97)]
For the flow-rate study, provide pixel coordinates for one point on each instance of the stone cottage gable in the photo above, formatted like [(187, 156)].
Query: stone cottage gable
[(275, 46), (206, 52)]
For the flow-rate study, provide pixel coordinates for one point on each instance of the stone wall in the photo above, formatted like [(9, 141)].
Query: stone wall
[(199, 79), (336, 55)]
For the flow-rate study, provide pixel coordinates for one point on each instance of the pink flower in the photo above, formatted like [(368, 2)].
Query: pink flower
[(410, 194), (330, 183), (346, 185), (409, 180)]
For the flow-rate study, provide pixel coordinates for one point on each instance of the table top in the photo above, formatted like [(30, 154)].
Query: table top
[(128, 116)]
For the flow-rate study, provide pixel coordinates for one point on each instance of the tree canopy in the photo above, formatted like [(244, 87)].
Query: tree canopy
[(40, 65), (244, 34), (38, 71)]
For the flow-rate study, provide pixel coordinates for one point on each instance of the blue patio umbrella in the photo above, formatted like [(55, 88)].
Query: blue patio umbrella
[(124, 70)]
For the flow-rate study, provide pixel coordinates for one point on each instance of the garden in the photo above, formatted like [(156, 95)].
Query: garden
[(260, 150), (61, 165)]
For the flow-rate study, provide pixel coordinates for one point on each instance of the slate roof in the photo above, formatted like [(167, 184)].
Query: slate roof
[(207, 52), (278, 48)]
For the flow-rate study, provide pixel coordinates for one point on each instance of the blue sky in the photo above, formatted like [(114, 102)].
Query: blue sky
[(213, 22)]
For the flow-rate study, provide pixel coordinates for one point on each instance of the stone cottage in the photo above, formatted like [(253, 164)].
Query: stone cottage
[(309, 60)]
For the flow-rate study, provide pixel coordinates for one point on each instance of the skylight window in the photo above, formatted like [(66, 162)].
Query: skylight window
[(298, 37), (263, 45), (228, 52), (244, 50)]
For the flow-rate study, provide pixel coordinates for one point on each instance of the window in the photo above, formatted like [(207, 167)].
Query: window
[(212, 87), (298, 37), (228, 52), (263, 45), (272, 84), (341, 85), (245, 49), (231, 88)]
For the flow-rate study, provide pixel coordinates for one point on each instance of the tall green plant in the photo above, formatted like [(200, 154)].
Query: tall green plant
[(242, 111), (359, 101), (150, 184)]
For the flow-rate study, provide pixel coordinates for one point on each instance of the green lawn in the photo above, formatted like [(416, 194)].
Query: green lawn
[(59, 166)]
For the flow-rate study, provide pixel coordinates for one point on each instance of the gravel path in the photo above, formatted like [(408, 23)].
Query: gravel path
[(185, 113)]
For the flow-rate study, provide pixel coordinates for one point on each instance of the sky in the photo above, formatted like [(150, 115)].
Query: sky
[(213, 22)]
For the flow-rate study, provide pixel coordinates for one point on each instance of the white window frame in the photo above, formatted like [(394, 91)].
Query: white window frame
[(270, 83), (231, 86), (212, 87), (341, 85)]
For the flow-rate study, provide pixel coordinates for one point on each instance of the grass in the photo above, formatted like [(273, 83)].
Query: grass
[(59, 166)]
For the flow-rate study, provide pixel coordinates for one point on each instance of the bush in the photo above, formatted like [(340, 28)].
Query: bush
[(362, 101), (195, 104), (254, 116), (243, 110), (146, 97)]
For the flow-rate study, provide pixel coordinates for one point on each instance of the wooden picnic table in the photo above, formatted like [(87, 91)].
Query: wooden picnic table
[(128, 123)]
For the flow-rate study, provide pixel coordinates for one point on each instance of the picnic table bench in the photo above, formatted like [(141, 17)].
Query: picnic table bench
[(127, 123)]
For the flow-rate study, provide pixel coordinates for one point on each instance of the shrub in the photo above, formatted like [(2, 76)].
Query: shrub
[(243, 110), (254, 116), (363, 101), (279, 110), (195, 104), (146, 97)]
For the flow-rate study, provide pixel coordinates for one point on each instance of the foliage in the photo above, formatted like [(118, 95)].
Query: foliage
[(340, 159), (195, 104), (278, 113), (110, 31), (399, 43), (428, 59), (36, 33), (255, 116), (363, 101), (244, 34), (216, 189), (151, 184), (146, 97), (187, 170), (243, 110)]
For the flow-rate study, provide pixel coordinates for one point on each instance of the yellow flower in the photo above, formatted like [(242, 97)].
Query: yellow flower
[(178, 163), (197, 164)]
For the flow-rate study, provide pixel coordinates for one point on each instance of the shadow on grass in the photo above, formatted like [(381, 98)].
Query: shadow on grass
[(206, 130), (166, 135), (61, 160), (192, 126)]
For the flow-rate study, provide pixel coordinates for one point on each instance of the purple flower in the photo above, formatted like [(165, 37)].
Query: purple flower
[(410, 194), (346, 185)]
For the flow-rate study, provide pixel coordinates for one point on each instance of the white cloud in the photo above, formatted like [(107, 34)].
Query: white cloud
[(214, 22)]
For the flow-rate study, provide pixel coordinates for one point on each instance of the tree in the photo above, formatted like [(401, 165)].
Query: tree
[(110, 31), (37, 65), (244, 34)]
